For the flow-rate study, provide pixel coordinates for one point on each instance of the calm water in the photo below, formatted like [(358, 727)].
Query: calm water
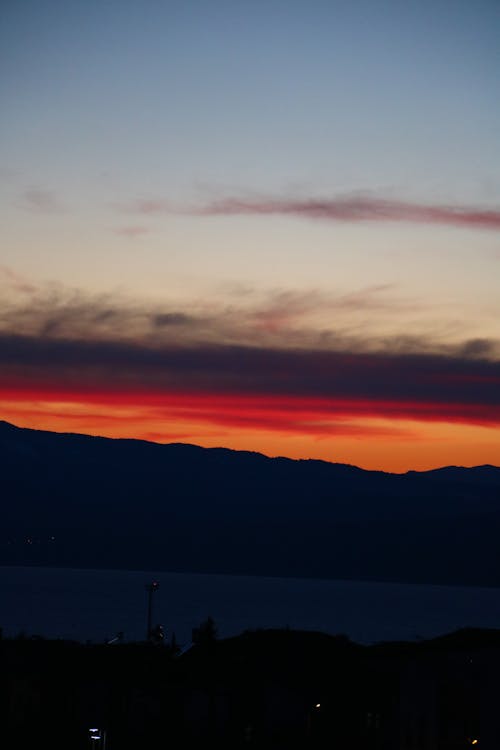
[(96, 604)]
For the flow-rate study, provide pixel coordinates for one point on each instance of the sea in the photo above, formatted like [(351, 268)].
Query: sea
[(96, 605)]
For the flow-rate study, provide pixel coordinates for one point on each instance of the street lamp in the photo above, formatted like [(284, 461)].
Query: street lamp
[(97, 738), (310, 718)]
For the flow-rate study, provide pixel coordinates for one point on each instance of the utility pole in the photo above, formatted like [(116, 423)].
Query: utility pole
[(151, 588)]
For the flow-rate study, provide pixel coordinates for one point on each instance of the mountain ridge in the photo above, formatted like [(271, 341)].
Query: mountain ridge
[(76, 500), (4, 424)]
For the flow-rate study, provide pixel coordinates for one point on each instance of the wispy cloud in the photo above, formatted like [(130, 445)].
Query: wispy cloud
[(356, 209), (361, 209), (15, 282), (347, 209), (277, 318), (167, 319), (57, 312), (131, 231), (41, 200)]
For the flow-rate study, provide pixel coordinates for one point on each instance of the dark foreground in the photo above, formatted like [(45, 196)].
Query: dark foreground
[(263, 689)]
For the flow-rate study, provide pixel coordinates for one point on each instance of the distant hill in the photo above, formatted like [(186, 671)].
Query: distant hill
[(76, 500)]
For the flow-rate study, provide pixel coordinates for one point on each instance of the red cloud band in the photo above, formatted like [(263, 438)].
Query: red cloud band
[(312, 388), (299, 414)]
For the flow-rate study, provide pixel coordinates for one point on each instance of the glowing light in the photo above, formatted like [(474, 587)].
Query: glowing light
[(298, 427)]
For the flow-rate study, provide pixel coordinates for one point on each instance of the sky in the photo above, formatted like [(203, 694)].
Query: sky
[(269, 225)]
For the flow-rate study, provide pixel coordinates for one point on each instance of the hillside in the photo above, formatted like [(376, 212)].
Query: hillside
[(75, 500)]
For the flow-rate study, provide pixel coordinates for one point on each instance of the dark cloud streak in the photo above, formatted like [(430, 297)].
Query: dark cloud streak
[(424, 386)]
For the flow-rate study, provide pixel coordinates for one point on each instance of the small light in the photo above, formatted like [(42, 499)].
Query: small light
[(318, 705), (474, 742)]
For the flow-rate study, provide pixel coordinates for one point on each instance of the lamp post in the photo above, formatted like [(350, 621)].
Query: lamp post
[(151, 588), (311, 713)]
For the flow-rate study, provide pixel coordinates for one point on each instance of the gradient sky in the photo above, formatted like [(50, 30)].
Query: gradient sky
[(272, 226)]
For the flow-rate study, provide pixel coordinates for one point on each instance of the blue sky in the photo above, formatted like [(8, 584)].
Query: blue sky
[(171, 96)]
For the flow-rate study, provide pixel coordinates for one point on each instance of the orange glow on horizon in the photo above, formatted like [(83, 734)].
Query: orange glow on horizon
[(345, 432)]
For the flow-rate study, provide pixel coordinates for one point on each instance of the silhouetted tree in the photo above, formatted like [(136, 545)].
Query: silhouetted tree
[(205, 633)]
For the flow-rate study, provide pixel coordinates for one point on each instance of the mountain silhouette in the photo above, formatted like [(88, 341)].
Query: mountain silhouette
[(82, 501)]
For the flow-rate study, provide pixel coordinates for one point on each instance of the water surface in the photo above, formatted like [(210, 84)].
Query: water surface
[(95, 604)]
